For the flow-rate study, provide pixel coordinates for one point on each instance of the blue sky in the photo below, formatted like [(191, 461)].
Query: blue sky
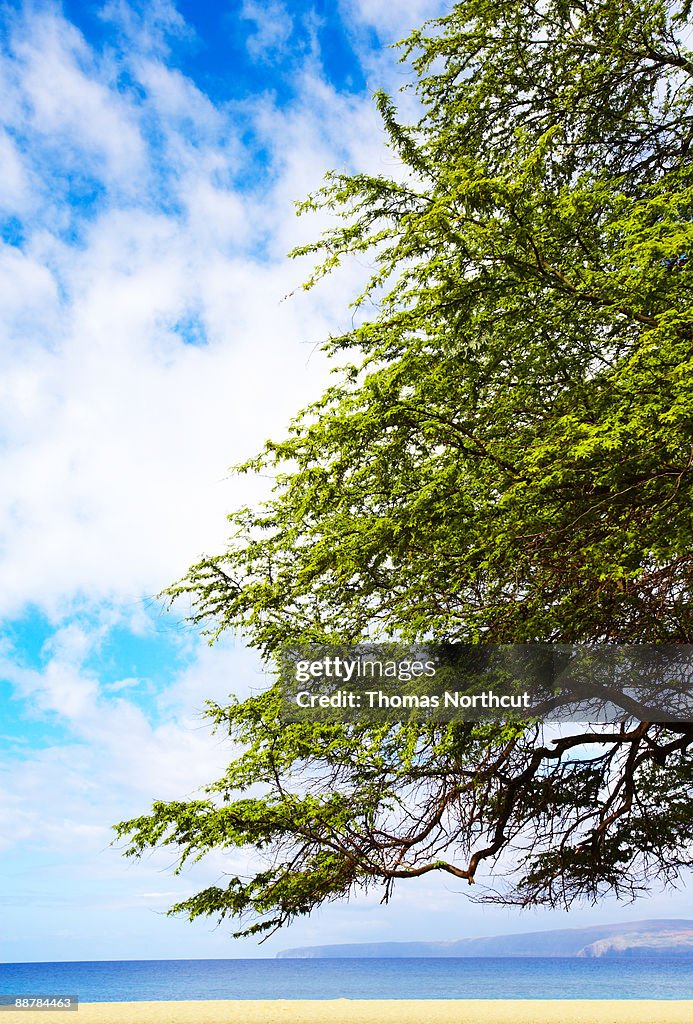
[(151, 155)]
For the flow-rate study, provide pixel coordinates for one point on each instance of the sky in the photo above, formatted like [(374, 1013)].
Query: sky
[(152, 334)]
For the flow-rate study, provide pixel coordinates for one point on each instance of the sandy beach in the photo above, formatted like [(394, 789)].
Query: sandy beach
[(374, 1011)]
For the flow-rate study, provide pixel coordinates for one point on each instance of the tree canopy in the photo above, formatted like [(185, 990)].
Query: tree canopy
[(506, 456)]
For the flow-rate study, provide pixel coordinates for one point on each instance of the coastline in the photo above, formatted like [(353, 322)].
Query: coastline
[(373, 1011)]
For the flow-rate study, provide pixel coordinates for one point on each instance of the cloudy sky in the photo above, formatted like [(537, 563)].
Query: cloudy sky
[(151, 154)]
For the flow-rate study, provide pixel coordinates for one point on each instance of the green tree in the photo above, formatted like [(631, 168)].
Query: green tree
[(506, 457)]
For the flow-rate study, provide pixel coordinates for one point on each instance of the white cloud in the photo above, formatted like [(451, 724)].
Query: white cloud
[(29, 301), (117, 433), (272, 27), (13, 184), (150, 27), (66, 100), (109, 758), (393, 21)]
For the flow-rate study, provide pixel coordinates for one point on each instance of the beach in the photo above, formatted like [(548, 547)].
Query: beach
[(373, 1011)]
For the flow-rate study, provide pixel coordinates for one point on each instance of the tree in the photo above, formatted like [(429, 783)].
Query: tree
[(505, 458)]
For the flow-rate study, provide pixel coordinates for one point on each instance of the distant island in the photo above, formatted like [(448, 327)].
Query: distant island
[(637, 939)]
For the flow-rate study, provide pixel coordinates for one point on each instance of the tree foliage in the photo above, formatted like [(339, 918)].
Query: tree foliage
[(506, 457)]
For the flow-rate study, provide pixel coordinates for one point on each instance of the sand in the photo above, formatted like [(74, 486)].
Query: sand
[(371, 1011)]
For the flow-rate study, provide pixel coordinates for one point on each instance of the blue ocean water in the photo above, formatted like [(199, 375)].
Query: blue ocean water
[(410, 978)]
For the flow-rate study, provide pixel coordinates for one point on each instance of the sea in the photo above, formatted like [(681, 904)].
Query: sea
[(407, 978)]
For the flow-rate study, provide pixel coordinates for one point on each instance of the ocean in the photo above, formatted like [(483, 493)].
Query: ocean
[(410, 978)]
